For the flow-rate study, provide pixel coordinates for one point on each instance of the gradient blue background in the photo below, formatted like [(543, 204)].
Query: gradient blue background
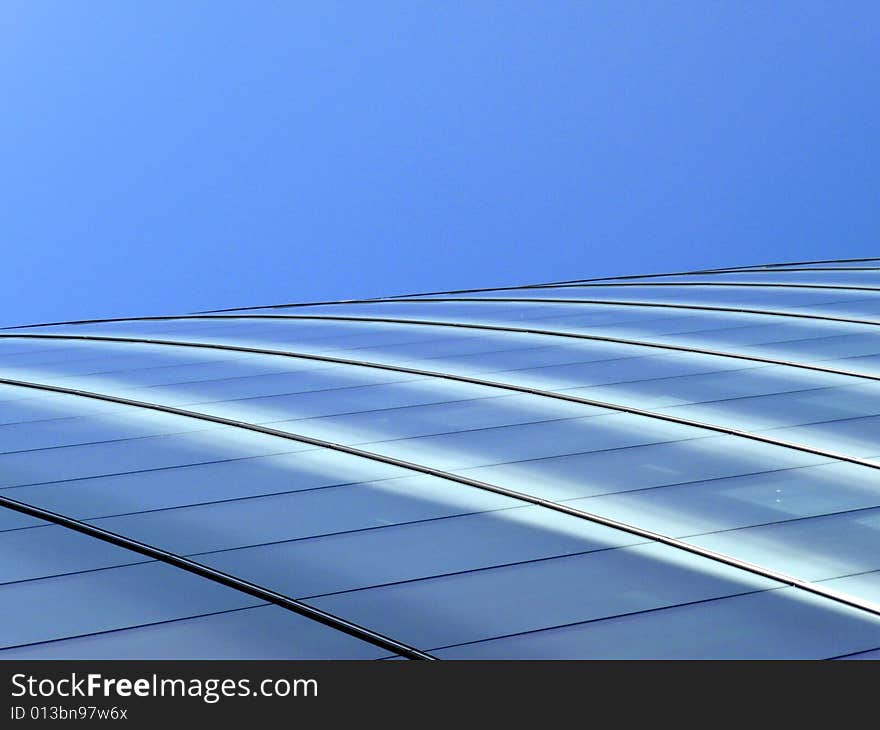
[(173, 156)]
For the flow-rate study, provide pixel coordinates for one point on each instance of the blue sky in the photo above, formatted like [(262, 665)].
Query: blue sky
[(162, 157)]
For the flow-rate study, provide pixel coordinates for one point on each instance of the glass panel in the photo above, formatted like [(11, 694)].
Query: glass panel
[(866, 308), (130, 596), (619, 370), (263, 632), (28, 405), (854, 436), (812, 549), (755, 297), (273, 409), (145, 609), (825, 348), (779, 337), (261, 376), (743, 413), (808, 405), (639, 467), (216, 481), (780, 624), (49, 550), (465, 416), (11, 520), (311, 523), (473, 606), (721, 387), (71, 431), (387, 553), (863, 585), (722, 504), (77, 462), (165, 364), (322, 379), (302, 514), (261, 331), (532, 441), (777, 299)]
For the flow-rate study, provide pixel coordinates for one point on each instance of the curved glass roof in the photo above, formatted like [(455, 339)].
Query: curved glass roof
[(666, 466)]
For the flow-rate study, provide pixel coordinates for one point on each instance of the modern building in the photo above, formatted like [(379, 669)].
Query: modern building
[(666, 466)]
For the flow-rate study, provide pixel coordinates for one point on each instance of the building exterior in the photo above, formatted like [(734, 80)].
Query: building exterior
[(667, 466)]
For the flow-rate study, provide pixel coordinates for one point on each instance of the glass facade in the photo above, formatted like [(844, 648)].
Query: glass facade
[(681, 466)]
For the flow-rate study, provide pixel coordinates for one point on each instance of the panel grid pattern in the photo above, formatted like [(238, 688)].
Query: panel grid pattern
[(667, 466)]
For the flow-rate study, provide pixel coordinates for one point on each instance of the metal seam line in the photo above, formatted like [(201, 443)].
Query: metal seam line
[(837, 596), (748, 284), (685, 273), (374, 300), (547, 285), (465, 325), (822, 261), (374, 528), (525, 300), (726, 270), (599, 619), (852, 653), (465, 291), (492, 328), (751, 267), (781, 267), (217, 576), (414, 297), (497, 385), (564, 285), (729, 269), (587, 283), (501, 385), (600, 302), (133, 627)]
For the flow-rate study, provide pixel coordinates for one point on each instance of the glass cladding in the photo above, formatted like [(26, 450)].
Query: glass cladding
[(795, 626), (119, 604), (473, 478)]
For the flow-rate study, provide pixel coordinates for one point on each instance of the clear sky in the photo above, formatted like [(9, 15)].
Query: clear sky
[(162, 157)]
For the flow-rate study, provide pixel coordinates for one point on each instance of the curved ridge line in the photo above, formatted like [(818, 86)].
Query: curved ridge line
[(610, 281), (472, 381), (491, 328), (545, 285), (748, 284), (730, 269), (820, 261), (600, 302), (369, 300), (463, 291), (726, 270), (435, 296), (354, 629), (296, 354), (458, 325), (734, 270), (217, 576), (525, 300)]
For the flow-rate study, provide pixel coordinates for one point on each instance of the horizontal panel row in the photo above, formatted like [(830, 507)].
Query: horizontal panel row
[(434, 562), (150, 610)]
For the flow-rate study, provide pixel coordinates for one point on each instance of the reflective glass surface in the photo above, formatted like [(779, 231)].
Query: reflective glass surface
[(480, 477)]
